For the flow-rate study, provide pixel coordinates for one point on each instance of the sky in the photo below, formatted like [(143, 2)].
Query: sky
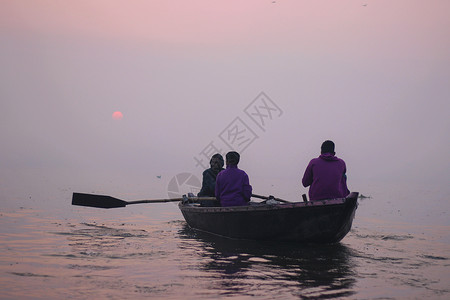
[(271, 79)]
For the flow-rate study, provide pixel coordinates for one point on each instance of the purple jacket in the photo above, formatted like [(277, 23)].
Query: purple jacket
[(326, 177), (232, 187)]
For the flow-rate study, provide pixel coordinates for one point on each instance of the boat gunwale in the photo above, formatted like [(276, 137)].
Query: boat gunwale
[(263, 207)]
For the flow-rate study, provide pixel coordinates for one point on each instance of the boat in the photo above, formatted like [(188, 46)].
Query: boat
[(323, 221)]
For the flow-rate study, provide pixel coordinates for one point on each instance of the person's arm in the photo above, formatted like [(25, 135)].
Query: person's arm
[(203, 191), (247, 188), (308, 176), (344, 181), (217, 188)]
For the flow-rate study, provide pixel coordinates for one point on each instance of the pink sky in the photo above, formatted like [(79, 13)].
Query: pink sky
[(158, 62), (293, 24)]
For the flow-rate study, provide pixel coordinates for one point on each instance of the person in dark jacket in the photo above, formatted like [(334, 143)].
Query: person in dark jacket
[(209, 176), (232, 184), (325, 175)]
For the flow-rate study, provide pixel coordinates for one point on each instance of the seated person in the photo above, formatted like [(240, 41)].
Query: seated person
[(209, 176), (232, 184), (325, 175)]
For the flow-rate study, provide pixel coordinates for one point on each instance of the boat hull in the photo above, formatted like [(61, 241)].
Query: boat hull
[(326, 221)]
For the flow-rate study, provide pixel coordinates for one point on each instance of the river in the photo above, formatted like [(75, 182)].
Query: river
[(50, 249)]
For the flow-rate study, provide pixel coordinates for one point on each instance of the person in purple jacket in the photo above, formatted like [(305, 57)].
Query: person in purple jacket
[(232, 184), (325, 175)]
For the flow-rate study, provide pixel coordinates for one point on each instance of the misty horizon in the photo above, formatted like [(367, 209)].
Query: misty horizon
[(374, 79)]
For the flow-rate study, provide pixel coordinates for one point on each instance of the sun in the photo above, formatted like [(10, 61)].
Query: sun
[(117, 115)]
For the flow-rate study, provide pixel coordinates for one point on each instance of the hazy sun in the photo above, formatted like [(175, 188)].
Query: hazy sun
[(117, 115)]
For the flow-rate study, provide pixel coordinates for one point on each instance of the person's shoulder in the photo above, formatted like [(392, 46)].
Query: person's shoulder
[(242, 171), (223, 171), (315, 159), (341, 162), (207, 172), (340, 159)]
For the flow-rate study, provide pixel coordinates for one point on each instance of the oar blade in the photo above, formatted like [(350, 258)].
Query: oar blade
[(99, 201)]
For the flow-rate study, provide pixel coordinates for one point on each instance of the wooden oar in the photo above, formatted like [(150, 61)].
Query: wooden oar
[(270, 197), (102, 201)]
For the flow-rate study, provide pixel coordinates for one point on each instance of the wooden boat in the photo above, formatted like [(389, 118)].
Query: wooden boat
[(324, 221)]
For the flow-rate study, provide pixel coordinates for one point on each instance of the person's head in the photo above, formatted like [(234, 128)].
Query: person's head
[(232, 158), (216, 162), (327, 147)]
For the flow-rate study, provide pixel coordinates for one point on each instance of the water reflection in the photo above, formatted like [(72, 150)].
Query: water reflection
[(273, 267)]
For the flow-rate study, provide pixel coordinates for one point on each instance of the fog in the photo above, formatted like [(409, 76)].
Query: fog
[(373, 76)]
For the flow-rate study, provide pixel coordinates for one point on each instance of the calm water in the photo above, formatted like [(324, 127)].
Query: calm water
[(52, 250)]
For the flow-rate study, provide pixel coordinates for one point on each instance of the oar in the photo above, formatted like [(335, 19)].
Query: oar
[(270, 197), (102, 201)]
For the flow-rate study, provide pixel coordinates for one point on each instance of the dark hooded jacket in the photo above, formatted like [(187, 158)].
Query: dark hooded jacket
[(208, 183)]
